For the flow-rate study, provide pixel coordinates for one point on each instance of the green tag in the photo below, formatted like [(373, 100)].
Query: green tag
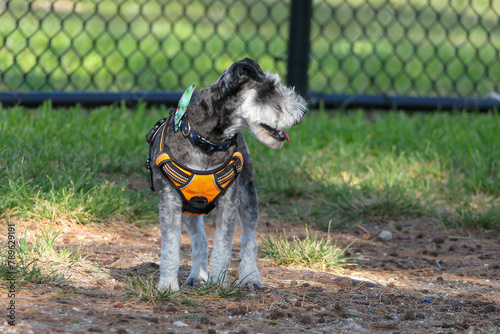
[(181, 107)]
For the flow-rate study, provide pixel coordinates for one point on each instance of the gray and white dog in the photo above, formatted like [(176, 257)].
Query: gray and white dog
[(244, 97)]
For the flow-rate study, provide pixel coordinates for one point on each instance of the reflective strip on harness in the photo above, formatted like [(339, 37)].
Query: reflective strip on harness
[(199, 189)]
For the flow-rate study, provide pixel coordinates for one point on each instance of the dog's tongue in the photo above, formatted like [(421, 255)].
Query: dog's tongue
[(286, 136)]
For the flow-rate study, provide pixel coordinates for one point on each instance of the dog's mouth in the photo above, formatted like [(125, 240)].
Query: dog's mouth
[(279, 135)]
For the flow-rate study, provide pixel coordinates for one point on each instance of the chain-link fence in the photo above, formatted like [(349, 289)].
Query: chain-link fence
[(374, 47), (134, 44), (410, 47)]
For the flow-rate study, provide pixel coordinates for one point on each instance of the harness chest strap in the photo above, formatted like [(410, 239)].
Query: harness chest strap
[(199, 189)]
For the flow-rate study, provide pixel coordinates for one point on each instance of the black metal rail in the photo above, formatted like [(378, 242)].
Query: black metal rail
[(316, 100), (88, 99), (409, 103)]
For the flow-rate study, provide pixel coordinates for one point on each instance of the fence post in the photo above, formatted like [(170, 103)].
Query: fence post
[(299, 45)]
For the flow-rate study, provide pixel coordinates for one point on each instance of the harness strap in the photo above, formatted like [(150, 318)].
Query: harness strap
[(152, 133), (199, 189), (149, 138)]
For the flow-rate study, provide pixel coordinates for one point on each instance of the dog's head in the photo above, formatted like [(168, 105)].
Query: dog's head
[(264, 106)]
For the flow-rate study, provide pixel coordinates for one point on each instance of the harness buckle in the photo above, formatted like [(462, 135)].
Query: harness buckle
[(147, 164), (199, 199)]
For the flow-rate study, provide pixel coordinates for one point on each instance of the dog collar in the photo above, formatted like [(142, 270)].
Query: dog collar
[(203, 143)]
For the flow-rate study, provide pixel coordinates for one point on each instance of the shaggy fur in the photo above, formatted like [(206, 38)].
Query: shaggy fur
[(244, 97)]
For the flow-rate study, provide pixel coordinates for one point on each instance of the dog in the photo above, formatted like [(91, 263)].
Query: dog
[(204, 148)]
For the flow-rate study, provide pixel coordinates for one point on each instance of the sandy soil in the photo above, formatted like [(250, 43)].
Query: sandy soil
[(424, 279)]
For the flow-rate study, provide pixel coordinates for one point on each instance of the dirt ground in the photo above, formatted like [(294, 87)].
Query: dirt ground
[(423, 279)]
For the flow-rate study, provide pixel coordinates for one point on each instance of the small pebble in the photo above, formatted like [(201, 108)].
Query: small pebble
[(306, 319), (489, 309), (179, 324), (276, 314), (409, 315), (385, 235), (420, 316), (438, 240)]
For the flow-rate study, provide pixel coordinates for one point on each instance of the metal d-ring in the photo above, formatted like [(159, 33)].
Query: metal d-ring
[(188, 131)]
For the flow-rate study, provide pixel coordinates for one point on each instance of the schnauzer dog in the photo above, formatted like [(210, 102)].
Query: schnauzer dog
[(199, 161)]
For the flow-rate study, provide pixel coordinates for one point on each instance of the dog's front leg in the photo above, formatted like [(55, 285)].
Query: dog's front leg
[(249, 215), (170, 226), (227, 212)]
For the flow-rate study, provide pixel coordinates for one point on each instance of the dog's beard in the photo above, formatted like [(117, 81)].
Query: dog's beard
[(268, 114), (268, 122), (270, 137)]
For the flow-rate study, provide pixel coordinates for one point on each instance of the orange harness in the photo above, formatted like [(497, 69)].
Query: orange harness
[(199, 190)]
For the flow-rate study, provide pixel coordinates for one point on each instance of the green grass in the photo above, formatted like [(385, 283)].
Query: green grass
[(44, 246), (35, 260), (71, 165), (219, 288), (310, 251), (76, 165), (355, 166), (142, 287), (28, 271), (396, 47)]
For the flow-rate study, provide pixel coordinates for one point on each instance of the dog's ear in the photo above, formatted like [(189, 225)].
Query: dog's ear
[(242, 72)]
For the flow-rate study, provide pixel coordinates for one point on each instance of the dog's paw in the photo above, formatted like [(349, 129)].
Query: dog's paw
[(196, 277), (192, 281), (250, 283), (168, 284), (252, 286)]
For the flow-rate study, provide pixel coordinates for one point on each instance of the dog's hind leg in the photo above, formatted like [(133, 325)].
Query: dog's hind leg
[(249, 215), (227, 214), (199, 248)]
